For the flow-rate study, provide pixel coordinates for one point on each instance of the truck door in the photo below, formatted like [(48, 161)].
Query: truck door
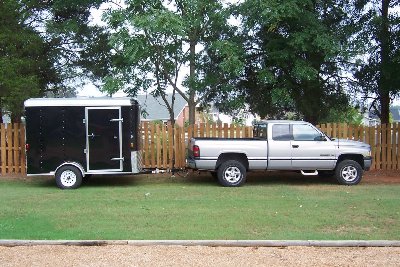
[(103, 139), (309, 150), (279, 147)]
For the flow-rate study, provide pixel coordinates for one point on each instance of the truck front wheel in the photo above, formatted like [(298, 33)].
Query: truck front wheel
[(348, 172), (231, 173)]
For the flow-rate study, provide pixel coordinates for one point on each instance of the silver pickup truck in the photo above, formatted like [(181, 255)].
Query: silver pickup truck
[(280, 145)]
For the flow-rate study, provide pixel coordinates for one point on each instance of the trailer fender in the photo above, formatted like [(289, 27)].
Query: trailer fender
[(79, 166)]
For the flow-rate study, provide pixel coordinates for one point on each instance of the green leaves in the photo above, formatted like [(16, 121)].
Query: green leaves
[(155, 40), (291, 49)]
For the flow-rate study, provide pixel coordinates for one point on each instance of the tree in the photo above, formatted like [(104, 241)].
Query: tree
[(26, 66), (295, 54), (378, 74), (47, 48), (154, 40)]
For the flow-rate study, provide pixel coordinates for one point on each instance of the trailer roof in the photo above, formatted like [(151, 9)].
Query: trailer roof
[(80, 101)]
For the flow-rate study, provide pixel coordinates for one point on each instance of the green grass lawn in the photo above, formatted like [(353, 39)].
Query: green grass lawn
[(160, 207)]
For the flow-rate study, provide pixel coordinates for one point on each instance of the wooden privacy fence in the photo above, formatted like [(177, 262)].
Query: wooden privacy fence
[(159, 150), (164, 146), (12, 148)]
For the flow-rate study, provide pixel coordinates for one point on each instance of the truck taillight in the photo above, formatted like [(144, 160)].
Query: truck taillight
[(196, 151), (27, 146)]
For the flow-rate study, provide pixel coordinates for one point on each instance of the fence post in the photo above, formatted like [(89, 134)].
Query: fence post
[(23, 152)]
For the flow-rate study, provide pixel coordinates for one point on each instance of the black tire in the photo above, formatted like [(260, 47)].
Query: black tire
[(68, 177), (348, 172), (231, 173), (326, 174)]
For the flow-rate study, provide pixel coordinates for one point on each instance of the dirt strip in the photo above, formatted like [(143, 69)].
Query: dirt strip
[(122, 255)]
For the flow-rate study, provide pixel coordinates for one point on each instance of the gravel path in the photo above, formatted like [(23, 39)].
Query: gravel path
[(196, 256)]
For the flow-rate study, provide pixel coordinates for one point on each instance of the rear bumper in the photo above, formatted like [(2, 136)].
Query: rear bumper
[(201, 164), (367, 163)]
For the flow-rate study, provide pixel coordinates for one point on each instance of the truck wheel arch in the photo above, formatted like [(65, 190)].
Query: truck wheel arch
[(356, 157), (241, 157)]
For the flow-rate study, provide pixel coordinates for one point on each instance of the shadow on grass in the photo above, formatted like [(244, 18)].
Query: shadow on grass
[(276, 178), (195, 179), (109, 180), (266, 178), (93, 181)]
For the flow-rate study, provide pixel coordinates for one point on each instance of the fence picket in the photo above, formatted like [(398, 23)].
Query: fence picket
[(158, 156), (3, 150), (220, 130), (10, 161), (398, 145), (384, 146), (170, 145), (16, 147), (164, 147), (202, 130), (388, 147), (152, 146), (22, 142), (225, 130), (393, 136)]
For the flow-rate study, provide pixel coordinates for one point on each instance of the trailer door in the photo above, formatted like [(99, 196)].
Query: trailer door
[(103, 139)]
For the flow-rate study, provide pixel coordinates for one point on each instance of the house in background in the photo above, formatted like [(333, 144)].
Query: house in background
[(6, 118), (155, 110), (372, 119), (395, 111)]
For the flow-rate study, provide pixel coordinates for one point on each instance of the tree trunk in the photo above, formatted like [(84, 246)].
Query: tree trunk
[(192, 109), (383, 82), (16, 118), (192, 91)]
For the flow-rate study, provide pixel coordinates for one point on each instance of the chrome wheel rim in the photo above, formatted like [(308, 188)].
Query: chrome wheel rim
[(349, 173), (232, 174), (68, 178)]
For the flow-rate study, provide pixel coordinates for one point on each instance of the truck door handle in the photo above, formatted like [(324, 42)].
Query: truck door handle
[(295, 146)]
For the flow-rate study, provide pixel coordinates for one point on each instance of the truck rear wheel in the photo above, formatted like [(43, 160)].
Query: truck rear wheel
[(68, 177), (348, 172), (231, 173)]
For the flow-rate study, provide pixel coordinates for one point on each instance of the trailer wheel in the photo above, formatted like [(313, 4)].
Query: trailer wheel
[(348, 172), (231, 173), (68, 177)]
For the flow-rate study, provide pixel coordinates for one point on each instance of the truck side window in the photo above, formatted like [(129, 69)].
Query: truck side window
[(303, 132), (281, 132), (260, 131)]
